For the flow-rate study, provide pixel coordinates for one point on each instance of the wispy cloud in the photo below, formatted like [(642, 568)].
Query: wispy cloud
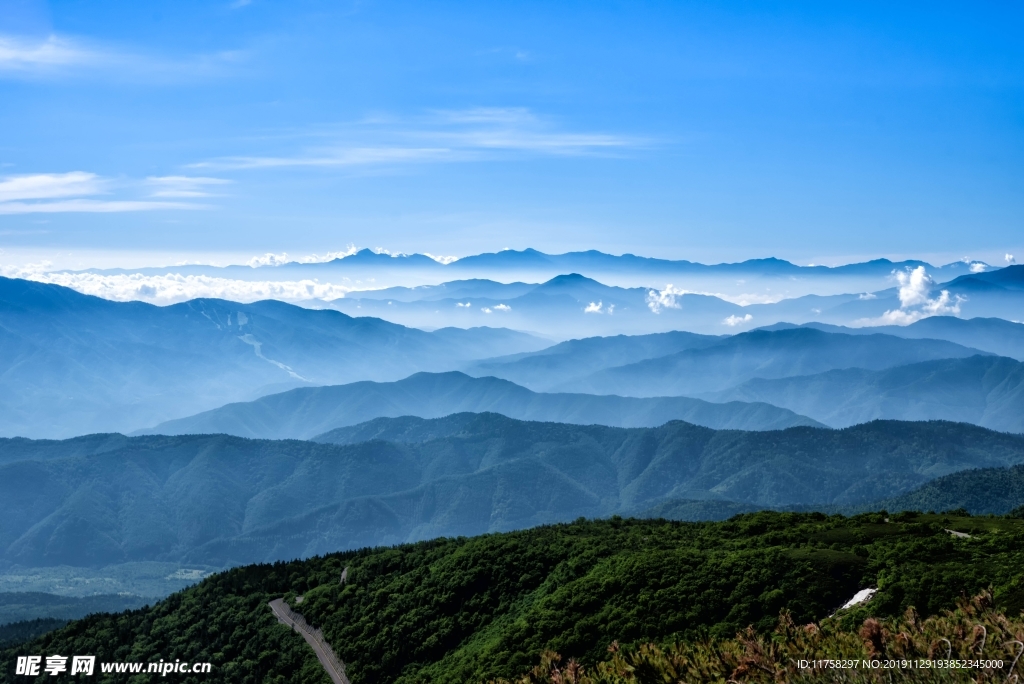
[(22, 55), (90, 206), (49, 185), (359, 156), (183, 186), (55, 55), (75, 191), (441, 136), (1010, 259)]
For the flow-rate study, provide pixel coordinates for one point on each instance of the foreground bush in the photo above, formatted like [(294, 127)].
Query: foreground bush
[(879, 651)]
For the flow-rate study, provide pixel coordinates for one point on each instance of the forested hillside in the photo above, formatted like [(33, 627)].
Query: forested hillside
[(217, 501), (464, 610)]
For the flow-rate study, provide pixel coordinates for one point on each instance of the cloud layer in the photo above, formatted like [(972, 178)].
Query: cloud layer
[(174, 288)]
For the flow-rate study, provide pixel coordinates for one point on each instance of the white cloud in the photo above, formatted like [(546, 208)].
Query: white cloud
[(867, 295), (514, 128), (358, 156), (916, 300), (51, 193), (381, 250), (487, 115), (657, 300), (90, 206), (915, 286), (445, 136), (594, 308), (25, 55), (486, 310), (978, 267), (733, 321), (441, 259), (183, 186), (1010, 259), (503, 307), (270, 259), (49, 185), (173, 288), (463, 305)]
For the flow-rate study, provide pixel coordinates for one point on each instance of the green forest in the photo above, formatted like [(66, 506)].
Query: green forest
[(494, 606)]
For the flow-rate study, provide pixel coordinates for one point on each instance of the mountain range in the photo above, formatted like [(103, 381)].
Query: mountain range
[(627, 270), (759, 354), (983, 390), (575, 305), (304, 413), (994, 335), (74, 364), (221, 500)]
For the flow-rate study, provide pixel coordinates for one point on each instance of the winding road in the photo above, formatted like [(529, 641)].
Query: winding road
[(335, 668)]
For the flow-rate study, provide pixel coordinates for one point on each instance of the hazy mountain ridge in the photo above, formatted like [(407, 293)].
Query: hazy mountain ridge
[(567, 361), (995, 335), (75, 364), (983, 390), (762, 354), (306, 412), (367, 263)]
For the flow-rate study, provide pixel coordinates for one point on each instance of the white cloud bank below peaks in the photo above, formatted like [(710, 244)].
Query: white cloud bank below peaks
[(174, 288), (916, 290)]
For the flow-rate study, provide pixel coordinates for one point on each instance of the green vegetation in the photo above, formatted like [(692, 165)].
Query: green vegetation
[(460, 610), (26, 630), (982, 490), (972, 632)]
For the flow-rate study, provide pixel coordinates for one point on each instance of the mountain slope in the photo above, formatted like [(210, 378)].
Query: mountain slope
[(73, 363), (979, 491), (993, 335), (217, 500), (307, 412), (453, 611), (564, 362), (983, 390), (761, 354)]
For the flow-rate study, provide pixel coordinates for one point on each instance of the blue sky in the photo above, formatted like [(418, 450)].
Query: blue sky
[(715, 131)]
